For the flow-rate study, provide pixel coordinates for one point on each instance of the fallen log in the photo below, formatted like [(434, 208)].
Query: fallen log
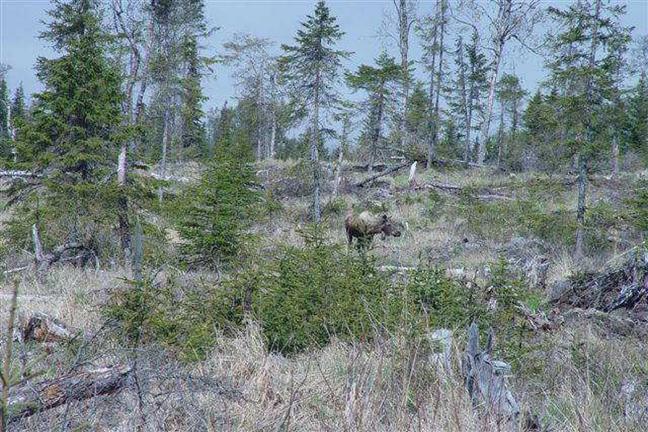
[(379, 167), (620, 286), (44, 328), (45, 260), (382, 174), (485, 195), (19, 174), (27, 399)]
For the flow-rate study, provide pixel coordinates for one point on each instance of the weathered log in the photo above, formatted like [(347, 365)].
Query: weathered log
[(382, 174), (486, 195), (620, 286), (45, 260), (19, 174), (29, 398), (44, 328), (486, 379), (379, 167)]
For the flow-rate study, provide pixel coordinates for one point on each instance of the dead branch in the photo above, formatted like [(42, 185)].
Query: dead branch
[(619, 286), (487, 195), (45, 260), (28, 398), (382, 174), (19, 174)]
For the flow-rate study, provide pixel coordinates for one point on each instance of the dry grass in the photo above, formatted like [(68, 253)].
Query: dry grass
[(576, 379)]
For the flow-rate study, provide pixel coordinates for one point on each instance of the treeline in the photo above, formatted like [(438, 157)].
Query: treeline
[(126, 87)]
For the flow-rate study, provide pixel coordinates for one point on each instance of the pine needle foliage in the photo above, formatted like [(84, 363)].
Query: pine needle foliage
[(213, 216)]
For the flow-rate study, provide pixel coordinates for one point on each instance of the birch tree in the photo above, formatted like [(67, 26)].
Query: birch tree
[(398, 26), (254, 72), (506, 20)]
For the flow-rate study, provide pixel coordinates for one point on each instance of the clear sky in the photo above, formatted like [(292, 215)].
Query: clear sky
[(20, 23)]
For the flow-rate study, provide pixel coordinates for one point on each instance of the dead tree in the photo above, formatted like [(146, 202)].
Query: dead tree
[(44, 260), (486, 378), (29, 398), (382, 174), (507, 19)]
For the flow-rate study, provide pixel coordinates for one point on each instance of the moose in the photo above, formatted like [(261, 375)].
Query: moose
[(365, 226)]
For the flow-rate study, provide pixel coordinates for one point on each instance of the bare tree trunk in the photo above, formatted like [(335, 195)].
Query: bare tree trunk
[(431, 119), (377, 130), (615, 156), (468, 145), (500, 137), (165, 145), (314, 153), (338, 173), (481, 151), (403, 42), (439, 76), (580, 210), (582, 160), (122, 201), (273, 134)]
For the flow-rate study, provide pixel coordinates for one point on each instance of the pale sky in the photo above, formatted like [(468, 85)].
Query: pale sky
[(20, 22)]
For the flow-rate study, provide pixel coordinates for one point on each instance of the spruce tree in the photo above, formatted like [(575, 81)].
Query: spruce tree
[(477, 83), (377, 82), (214, 215), (193, 130), (638, 115), (510, 94), (5, 106), (311, 69), (5, 123), (18, 107), (73, 139), (585, 62), (417, 120)]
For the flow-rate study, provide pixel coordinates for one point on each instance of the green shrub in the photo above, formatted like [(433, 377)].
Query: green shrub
[(446, 302), (336, 206), (639, 207), (213, 215), (181, 320), (309, 294)]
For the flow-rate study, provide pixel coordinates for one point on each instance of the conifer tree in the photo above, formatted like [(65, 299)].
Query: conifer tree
[(5, 106), (510, 94), (638, 115), (311, 68), (193, 130), (18, 107), (477, 84), (376, 82), (585, 63), (213, 216), (74, 136), (417, 120), (5, 121)]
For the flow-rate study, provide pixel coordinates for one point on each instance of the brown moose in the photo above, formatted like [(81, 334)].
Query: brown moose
[(365, 226)]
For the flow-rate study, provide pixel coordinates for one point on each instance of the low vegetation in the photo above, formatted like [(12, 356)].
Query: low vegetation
[(374, 259)]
